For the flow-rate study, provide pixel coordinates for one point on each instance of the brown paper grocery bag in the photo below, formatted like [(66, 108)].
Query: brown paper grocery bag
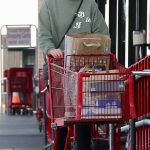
[(80, 43)]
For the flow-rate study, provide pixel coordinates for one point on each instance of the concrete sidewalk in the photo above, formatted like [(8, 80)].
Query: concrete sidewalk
[(20, 133)]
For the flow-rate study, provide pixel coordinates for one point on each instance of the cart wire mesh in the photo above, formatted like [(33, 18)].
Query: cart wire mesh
[(104, 95)]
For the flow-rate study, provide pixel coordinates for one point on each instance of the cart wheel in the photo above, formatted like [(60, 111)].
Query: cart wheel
[(31, 112), (72, 145), (13, 111), (50, 147), (25, 111), (40, 126), (18, 111), (9, 111)]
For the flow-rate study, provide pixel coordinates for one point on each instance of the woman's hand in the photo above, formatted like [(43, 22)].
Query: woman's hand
[(56, 53)]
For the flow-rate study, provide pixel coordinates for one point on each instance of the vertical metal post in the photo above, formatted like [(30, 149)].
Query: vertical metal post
[(107, 12), (36, 59), (45, 130), (7, 98), (137, 15), (127, 33), (132, 134), (111, 137), (36, 51), (148, 24), (137, 48), (117, 15), (0, 68)]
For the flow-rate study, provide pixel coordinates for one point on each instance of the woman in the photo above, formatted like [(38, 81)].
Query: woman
[(60, 17)]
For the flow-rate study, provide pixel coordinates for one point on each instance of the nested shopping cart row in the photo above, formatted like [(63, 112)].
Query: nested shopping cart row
[(141, 71)]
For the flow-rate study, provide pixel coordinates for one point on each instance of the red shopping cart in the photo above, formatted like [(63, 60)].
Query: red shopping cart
[(19, 87), (141, 71), (104, 94)]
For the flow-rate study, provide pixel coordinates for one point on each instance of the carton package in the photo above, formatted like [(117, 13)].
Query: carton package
[(107, 86), (102, 105), (105, 109), (102, 95), (103, 81), (80, 43), (86, 44)]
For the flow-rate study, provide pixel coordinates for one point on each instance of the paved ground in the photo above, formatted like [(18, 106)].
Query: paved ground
[(20, 133)]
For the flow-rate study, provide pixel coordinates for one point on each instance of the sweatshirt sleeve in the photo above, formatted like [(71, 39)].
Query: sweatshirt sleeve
[(45, 36), (98, 22)]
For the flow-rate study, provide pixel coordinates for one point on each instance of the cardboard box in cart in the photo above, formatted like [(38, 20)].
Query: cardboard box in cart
[(87, 44), (80, 43)]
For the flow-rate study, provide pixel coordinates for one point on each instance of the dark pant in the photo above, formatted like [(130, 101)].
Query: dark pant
[(83, 137), (62, 138)]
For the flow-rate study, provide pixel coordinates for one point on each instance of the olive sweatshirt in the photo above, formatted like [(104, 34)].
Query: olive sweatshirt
[(55, 17)]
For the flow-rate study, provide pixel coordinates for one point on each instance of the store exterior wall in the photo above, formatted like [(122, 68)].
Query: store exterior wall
[(10, 58), (40, 54)]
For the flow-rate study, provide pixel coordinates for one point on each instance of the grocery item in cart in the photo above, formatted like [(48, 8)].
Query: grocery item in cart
[(102, 94), (80, 43), (79, 63)]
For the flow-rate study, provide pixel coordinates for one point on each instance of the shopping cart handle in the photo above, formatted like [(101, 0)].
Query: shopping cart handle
[(51, 58)]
